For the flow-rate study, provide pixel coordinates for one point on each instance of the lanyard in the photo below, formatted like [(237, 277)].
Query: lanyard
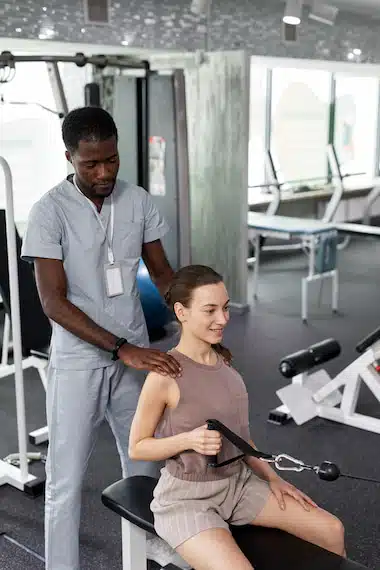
[(111, 257)]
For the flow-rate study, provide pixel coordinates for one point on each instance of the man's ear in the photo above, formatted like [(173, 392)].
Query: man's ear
[(68, 156)]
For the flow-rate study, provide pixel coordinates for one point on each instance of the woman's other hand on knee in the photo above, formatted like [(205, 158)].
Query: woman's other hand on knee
[(281, 488)]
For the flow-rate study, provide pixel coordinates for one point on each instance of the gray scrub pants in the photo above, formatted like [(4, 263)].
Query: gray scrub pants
[(77, 403)]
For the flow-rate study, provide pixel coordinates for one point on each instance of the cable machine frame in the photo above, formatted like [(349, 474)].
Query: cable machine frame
[(20, 477)]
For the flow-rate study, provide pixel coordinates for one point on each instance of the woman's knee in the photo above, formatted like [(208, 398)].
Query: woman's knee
[(334, 533)]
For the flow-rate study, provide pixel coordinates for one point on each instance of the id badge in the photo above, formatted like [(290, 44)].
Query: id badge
[(114, 280)]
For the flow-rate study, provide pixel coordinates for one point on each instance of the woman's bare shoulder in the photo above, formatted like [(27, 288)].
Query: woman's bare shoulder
[(155, 379)]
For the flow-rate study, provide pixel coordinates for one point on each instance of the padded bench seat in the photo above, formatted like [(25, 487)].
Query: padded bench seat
[(266, 549)]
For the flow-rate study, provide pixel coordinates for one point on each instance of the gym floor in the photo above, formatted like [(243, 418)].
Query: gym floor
[(258, 340)]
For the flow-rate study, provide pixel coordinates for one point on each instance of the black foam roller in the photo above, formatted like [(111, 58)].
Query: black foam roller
[(306, 359)]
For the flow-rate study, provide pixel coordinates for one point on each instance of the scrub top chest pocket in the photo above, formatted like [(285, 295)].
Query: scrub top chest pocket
[(131, 238)]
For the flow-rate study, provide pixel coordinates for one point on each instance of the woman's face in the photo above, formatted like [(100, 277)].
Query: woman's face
[(208, 313)]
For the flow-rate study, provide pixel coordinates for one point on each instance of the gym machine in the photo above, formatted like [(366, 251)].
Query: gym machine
[(155, 113), (153, 128), (18, 477), (15, 471), (314, 394), (35, 326), (8, 69), (265, 548), (156, 110), (156, 106)]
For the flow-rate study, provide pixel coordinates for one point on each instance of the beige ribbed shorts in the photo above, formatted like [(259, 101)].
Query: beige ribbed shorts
[(183, 509)]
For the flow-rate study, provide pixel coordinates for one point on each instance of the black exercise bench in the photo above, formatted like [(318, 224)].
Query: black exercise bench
[(266, 549)]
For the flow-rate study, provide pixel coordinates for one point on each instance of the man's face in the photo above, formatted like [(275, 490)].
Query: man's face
[(96, 164)]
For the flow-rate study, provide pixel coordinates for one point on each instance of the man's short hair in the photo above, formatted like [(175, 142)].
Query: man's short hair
[(90, 124)]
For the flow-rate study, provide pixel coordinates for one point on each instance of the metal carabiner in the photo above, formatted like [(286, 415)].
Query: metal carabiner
[(298, 465)]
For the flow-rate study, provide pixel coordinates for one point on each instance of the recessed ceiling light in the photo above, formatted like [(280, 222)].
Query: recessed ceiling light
[(293, 12)]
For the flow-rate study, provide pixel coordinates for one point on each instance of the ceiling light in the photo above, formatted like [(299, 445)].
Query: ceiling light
[(293, 12), (46, 33), (127, 40), (323, 13)]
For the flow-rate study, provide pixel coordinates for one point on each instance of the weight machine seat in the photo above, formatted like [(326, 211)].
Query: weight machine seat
[(266, 549)]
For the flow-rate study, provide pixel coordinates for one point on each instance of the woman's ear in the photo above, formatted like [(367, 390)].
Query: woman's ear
[(180, 312)]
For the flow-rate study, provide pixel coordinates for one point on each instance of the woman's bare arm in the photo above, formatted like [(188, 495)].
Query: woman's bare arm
[(151, 405), (155, 396)]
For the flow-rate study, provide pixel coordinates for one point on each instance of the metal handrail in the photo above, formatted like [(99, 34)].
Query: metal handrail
[(267, 185)]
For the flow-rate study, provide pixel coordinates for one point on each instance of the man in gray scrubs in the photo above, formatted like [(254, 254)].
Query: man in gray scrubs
[(85, 237)]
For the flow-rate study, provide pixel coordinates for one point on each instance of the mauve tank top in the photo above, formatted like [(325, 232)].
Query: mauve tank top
[(206, 392)]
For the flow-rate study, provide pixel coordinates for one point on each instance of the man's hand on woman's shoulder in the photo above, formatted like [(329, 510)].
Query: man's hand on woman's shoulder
[(150, 359)]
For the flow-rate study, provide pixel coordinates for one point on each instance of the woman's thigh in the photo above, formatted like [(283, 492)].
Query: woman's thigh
[(213, 549), (315, 525)]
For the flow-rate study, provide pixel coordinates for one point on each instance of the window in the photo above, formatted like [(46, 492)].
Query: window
[(300, 124), (30, 137), (257, 130), (356, 126)]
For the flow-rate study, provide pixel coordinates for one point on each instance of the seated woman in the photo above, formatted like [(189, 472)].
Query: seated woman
[(193, 503)]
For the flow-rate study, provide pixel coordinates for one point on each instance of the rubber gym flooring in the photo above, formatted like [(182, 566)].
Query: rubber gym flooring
[(258, 340)]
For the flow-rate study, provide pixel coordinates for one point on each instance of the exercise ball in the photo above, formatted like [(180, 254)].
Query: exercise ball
[(156, 313)]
